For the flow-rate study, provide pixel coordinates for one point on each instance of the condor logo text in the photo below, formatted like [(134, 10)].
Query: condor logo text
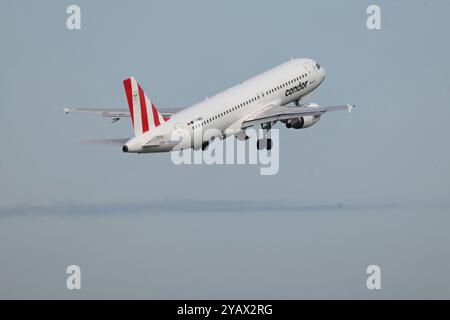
[(301, 86)]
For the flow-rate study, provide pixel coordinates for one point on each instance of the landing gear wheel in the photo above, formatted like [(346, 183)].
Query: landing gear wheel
[(264, 144), (261, 144), (269, 144)]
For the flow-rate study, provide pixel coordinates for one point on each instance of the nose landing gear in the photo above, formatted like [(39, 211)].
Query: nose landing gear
[(205, 145)]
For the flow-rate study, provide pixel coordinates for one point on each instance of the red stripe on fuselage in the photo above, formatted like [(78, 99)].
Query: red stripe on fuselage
[(144, 115), (128, 91)]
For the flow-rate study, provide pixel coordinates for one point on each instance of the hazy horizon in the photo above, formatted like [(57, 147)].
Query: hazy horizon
[(370, 187)]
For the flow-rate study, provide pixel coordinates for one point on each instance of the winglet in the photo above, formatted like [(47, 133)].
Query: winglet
[(350, 107)]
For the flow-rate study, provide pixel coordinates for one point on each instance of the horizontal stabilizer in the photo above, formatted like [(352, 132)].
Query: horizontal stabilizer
[(117, 112), (105, 142)]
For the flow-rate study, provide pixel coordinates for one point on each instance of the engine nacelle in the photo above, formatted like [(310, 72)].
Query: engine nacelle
[(303, 122)]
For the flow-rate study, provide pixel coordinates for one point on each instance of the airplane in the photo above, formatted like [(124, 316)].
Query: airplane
[(262, 101)]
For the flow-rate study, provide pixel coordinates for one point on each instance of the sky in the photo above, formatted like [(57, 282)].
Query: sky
[(391, 151)]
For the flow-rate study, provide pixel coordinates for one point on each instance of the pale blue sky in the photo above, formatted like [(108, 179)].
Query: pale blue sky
[(392, 149)]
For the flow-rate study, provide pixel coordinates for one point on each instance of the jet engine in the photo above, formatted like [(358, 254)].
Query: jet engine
[(303, 122)]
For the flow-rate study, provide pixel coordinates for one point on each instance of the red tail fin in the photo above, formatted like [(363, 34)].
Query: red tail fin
[(144, 114)]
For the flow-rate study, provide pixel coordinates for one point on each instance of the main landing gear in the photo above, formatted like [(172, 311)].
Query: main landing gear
[(265, 142), (262, 144)]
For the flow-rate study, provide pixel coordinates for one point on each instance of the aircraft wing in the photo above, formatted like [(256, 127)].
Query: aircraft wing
[(116, 113), (273, 113)]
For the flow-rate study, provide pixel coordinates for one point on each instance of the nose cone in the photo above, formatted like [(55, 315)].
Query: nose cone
[(323, 73)]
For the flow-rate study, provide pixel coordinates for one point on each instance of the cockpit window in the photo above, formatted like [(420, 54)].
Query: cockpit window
[(318, 66)]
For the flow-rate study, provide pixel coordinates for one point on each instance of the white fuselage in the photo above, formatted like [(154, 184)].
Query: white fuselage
[(226, 111)]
